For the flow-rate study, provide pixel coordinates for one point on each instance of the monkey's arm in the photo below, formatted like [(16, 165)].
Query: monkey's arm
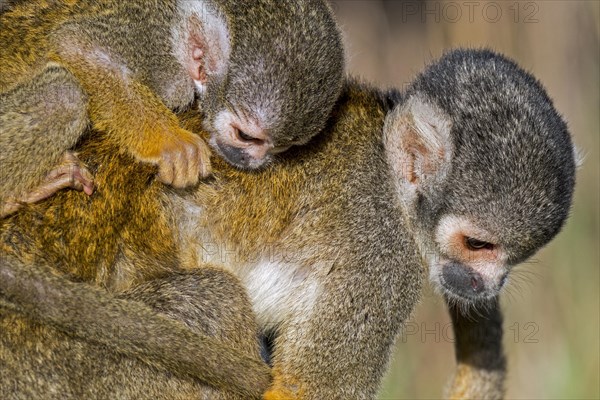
[(128, 327), (127, 110), (481, 369), (339, 348), (39, 121)]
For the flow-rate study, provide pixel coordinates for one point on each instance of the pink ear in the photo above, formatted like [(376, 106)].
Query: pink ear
[(418, 142), (196, 60), (206, 42)]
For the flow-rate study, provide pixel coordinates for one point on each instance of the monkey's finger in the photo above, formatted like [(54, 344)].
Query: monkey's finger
[(79, 177), (71, 164), (81, 182), (87, 180), (69, 175), (180, 169), (193, 156), (61, 170), (166, 172), (51, 187), (204, 158), (9, 208)]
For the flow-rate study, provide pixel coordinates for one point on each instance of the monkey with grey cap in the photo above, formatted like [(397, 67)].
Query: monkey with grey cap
[(468, 172), (508, 176), (266, 75)]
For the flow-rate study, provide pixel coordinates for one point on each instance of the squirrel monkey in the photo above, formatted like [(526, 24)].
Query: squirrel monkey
[(266, 76), (467, 172), (487, 166)]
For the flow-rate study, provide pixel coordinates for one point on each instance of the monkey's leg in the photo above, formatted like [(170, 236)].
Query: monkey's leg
[(54, 365), (71, 173), (135, 330), (38, 361), (481, 369), (130, 112), (39, 121), (212, 302)]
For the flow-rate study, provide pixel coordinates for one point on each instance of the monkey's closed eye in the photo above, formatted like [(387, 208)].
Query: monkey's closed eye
[(244, 137), (474, 244)]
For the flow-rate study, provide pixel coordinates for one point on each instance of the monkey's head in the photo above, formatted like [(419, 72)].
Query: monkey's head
[(485, 167), (268, 73)]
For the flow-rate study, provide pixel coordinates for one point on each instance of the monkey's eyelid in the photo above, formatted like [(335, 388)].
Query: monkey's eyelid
[(244, 137), (280, 149), (476, 244)]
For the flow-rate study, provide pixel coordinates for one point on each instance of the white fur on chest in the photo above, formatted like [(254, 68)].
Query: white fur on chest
[(278, 289)]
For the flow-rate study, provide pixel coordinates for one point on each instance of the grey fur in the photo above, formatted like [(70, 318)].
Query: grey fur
[(286, 59), (511, 173), (298, 75)]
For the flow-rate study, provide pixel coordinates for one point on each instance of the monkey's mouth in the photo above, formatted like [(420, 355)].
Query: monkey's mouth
[(238, 157), (464, 296), (463, 284)]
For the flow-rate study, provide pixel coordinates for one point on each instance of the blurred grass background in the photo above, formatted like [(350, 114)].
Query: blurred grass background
[(552, 305)]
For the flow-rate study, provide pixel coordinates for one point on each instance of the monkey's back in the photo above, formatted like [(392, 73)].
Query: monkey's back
[(122, 221), (337, 188), (320, 242), (327, 208), (321, 182)]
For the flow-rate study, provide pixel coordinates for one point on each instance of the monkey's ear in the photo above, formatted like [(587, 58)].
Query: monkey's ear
[(204, 42), (418, 143)]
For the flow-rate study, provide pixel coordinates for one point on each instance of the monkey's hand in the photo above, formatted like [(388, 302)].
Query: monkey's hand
[(71, 173), (182, 157)]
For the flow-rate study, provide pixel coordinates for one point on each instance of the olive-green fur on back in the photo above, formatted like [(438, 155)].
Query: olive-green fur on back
[(86, 236)]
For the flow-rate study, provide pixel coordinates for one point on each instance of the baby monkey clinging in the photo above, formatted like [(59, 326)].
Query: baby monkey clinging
[(266, 73)]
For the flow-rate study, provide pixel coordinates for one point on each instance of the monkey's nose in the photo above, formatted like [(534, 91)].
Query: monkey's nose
[(234, 156), (462, 279), (476, 283)]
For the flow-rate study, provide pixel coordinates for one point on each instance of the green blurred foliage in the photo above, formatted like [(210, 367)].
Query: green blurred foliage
[(552, 305)]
